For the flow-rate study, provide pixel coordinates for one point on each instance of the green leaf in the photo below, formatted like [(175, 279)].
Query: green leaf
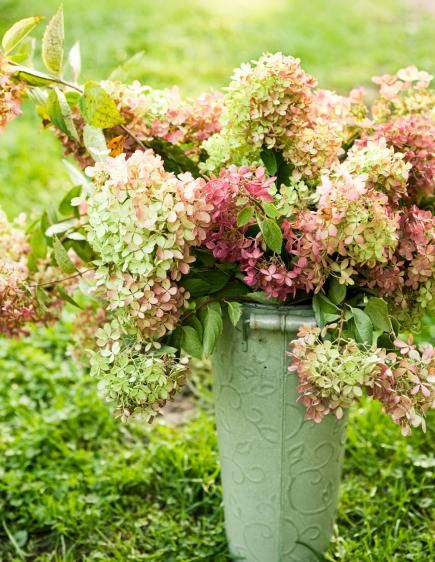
[(33, 77), (72, 98), (45, 222), (272, 234), (83, 249), (95, 142), (261, 298), (41, 299), (268, 157), (363, 326), (205, 283), (15, 34), (25, 53), (213, 326), (98, 108), (191, 342), (66, 297), (52, 43), (336, 292), (195, 322), (234, 312), (232, 289), (317, 312), (245, 216), (284, 174), (65, 207), (270, 210), (377, 310), (60, 113), (325, 310), (174, 157), (38, 243), (62, 258)]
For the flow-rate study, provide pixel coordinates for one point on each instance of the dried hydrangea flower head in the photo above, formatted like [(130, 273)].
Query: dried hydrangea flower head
[(11, 93), (143, 222), (405, 93), (164, 114), (18, 303)]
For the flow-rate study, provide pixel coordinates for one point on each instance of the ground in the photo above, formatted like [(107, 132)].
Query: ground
[(75, 483)]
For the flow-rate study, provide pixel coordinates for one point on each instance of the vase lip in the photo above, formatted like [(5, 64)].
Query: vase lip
[(278, 308)]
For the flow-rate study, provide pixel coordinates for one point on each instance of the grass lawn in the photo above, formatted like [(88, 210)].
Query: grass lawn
[(76, 484)]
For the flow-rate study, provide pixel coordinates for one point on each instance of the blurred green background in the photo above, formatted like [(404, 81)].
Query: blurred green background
[(75, 484)]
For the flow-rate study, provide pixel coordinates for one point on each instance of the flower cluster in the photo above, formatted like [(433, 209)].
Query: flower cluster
[(142, 222), (405, 93), (331, 375), (135, 379), (334, 374), (166, 115), (269, 105), (413, 138), (407, 281), (405, 384), (10, 95), (305, 194), (20, 303)]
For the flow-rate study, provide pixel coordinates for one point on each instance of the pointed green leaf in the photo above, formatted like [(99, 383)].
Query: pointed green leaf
[(234, 312), (38, 243), (261, 297), (33, 77), (62, 258), (65, 207), (24, 54), (270, 210), (325, 311), (213, 326), (191, 342), (60, 113), (336, 292), (41, 299), (269, 160), (245, 216), (52, 43), (66, 297), (363, 326), (272, 235), (377, 310), (15, 34), (98, 108)]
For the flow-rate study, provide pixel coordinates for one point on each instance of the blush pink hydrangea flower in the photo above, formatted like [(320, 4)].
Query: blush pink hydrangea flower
[(412, 136), (143, 222), (405, 93), (164, 114), (11, 93)]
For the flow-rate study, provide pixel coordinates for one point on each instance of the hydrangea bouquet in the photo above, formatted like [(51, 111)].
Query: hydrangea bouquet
[(273, 191)]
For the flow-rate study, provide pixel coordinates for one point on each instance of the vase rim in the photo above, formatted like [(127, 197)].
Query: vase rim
[(298, 309)]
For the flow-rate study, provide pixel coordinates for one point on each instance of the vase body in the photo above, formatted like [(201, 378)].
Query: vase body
[(280, 473)]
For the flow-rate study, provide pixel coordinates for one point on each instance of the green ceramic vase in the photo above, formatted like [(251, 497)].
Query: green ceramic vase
[(280, 473)]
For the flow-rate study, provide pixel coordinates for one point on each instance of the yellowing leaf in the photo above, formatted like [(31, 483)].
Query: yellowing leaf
[(52, 43), (15, 34), (98, 108), (62, 258)]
